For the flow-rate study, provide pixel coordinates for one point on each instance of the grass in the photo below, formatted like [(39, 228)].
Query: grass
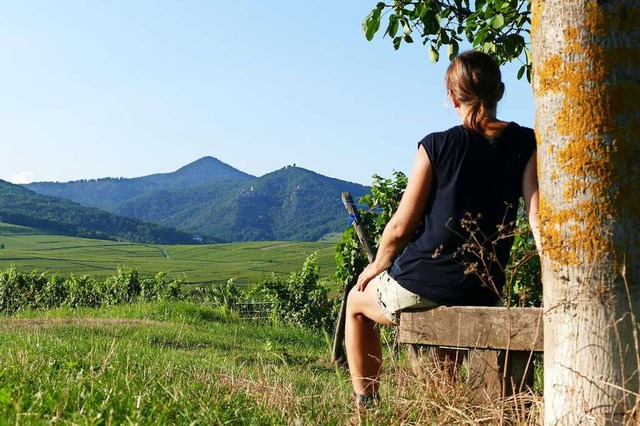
[(180, 363), (156, 364), (30, 249)]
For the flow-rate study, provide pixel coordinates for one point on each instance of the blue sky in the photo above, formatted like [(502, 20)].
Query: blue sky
[(94, 89)]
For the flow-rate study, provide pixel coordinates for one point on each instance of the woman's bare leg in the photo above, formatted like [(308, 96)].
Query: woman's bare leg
[(364, 351)]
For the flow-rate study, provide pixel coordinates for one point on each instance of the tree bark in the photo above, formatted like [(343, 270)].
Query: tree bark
[(586, 57)]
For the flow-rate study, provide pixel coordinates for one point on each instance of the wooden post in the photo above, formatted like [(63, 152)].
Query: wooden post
[(362, 236), (338, 354)]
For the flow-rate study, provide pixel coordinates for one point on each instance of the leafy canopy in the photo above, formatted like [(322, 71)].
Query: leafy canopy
[(500, 28)]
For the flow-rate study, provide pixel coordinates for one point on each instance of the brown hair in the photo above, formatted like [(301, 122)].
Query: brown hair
[(473, 79)]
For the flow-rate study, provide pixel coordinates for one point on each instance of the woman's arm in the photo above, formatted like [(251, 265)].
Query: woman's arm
[(531, 197), (402, 226)]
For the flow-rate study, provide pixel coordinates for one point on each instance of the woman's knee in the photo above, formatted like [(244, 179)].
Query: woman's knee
[(357, 301)]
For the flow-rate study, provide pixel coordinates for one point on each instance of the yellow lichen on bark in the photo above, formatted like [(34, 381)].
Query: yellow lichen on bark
[(575, 230)]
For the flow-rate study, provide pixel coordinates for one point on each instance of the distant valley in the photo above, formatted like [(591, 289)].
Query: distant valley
[(210, 201)]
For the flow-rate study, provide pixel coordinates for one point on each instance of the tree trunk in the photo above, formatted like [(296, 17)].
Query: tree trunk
[(586, 57)]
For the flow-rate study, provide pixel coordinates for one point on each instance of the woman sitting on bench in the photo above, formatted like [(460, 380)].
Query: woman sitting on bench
[(450, 238)]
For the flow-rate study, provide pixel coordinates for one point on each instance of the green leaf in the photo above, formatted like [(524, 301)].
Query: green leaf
[(408, 39), (506, 7), (433, 54), (405, 26), (392, 28), (453, 49), (497, 22), (372, 27), (372, 23), (431, 23), (489, 47), (396, 42), (444, 37), (509, 46), (521, 72), (420, 10), (480, 37)]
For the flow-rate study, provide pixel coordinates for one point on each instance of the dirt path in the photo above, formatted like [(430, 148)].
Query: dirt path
[(276, 246), (16, 323)]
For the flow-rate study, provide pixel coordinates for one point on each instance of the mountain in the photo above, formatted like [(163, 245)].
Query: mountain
[(209, 197), (108, 193), (21, 206)]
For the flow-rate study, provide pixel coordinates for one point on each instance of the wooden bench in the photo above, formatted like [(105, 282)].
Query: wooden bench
[(494, 344)]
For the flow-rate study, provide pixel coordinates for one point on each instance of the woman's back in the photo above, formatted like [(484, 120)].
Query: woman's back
[(462, 244)]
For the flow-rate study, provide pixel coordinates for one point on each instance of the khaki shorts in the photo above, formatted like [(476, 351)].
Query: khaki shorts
[(393, 298)]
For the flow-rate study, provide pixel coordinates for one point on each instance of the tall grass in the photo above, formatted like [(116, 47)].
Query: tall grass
[(180, 363)]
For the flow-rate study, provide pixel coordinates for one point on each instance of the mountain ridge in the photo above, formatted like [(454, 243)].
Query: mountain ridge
[(210, 197), (21, 206)]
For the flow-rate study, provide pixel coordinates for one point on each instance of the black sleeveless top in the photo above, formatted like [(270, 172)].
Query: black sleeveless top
[(462, 245)]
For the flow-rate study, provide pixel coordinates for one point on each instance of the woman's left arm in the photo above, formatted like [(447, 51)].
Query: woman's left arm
[(402, 226), (532, 197)]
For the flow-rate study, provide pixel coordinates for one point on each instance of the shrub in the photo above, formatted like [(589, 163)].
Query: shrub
[(301, 299), (379, 206), (37, 290)]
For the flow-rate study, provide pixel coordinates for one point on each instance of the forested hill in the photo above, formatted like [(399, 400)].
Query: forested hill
[(21, 206), (107, 193), (209, 197), (289, 204)]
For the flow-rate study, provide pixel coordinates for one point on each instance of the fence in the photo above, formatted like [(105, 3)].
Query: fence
[(255, 311)]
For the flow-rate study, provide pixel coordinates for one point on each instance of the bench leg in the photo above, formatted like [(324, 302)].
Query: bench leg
[(415, 358), (491, 375), (484, 375), (519, 372)]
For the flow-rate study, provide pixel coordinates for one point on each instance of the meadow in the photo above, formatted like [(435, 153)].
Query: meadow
[(29, 249), (182, 363), (192, 362)]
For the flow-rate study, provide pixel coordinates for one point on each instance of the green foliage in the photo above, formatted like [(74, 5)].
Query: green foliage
[(498, 27), (37, 290), (524, 271), (524, 285), (380, 205), (226, 295), (300, 300)]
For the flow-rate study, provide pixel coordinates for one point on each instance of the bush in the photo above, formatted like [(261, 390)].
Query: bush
[(380, 206), (300, 300), (524, 277), (37, 290)]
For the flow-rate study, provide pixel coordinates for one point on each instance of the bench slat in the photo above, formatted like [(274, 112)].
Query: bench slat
[(517, 329)]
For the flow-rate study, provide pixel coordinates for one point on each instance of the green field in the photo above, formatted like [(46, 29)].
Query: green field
[(30, 249), (176, 363)]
